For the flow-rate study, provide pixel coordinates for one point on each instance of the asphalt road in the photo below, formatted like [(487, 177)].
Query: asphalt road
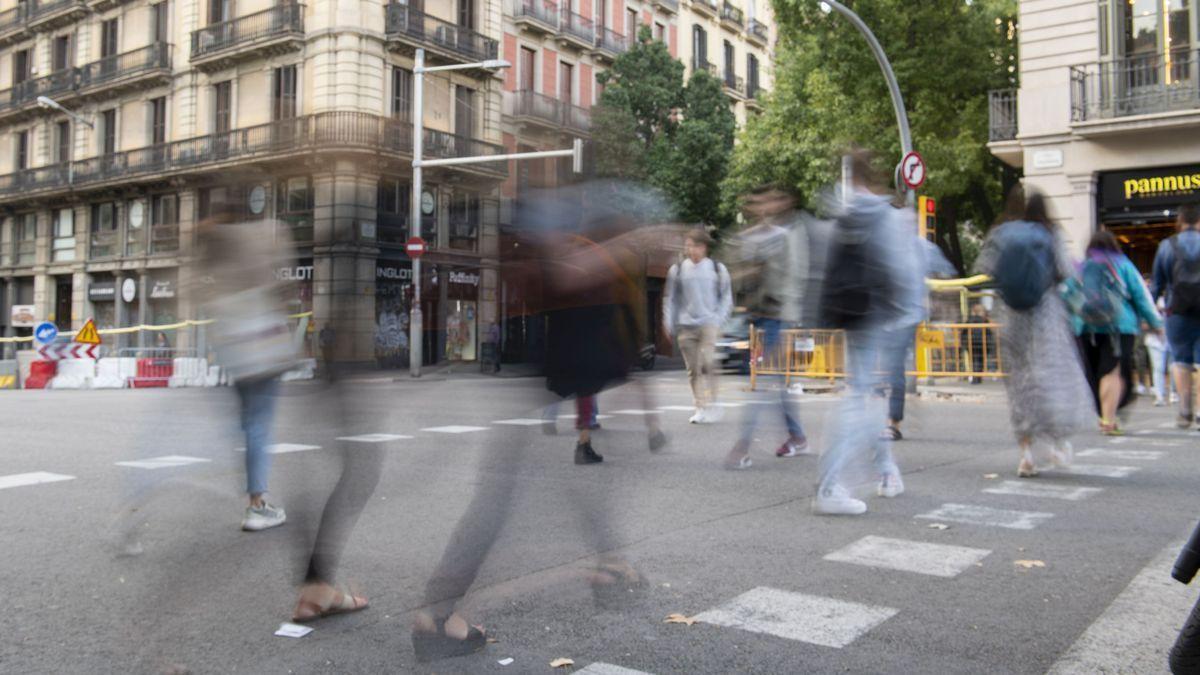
[(925, 583)]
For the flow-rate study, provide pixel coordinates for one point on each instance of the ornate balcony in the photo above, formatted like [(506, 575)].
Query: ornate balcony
[(576, 120), (539, 16), (609, 44), (51, 14), (1002, 115), (668, 6), (20, 100), (707, 7), (735, 86), (576, 31), (1165, 85), (12, 24), (732, 17), (145, 67), (757, 32), (407, 29), (277, 30), (534, 109)]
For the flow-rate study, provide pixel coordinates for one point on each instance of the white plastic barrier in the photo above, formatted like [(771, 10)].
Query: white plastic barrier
[(189, 372), (74, 374), (306, 369), (114, 373), (215, 377)]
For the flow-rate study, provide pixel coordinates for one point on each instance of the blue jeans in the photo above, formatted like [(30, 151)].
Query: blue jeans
[(257, 399), (859, 421), (895, 359), (1183, 333), (791, 411)]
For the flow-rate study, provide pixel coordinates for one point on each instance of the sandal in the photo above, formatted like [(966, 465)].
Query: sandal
[(1110, 428), (307, 610), (437, 645), (891, 433), (1026, 468), (615, 584)]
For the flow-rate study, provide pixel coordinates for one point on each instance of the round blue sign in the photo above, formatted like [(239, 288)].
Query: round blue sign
[(45, 332)]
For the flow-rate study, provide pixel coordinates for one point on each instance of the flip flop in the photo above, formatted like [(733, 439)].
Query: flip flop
[(308, 610)]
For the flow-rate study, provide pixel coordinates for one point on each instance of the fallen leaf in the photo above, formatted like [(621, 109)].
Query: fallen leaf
[(1029, 564), (679, 618), (561, 663), (938, 526), (991, 476)]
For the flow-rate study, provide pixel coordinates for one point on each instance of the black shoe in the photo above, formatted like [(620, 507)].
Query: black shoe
[(584, 454), (658, 441)]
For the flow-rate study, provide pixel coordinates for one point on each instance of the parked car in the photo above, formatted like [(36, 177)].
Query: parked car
[(733, 344)]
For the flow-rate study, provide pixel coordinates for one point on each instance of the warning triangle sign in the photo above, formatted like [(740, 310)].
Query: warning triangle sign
[(88, 335)]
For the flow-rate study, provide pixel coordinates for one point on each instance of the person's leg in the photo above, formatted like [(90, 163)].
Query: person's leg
[(851, 431), (1158, 381), (257, 411), (1111, 387), (689, 346), (1025, 466), (708, 357), (896, 357)]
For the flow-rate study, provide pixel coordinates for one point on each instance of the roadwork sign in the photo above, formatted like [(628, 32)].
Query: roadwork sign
[(88, 335), (67, 350)]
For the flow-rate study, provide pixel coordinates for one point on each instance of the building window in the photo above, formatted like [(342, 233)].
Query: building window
[(164, 223), (631, 24), (61, 53), (21, 160), (62, 249), (528, 73), (751, 75), (464, 111), (699, 48), (222, 106), (283, 95), (464, 221), (21, 66), (109, 45), (159, 26), (25, 238), (402, 93), (294, 207), (729, 63), (219, 10), (466, 13), (394, 202), (660, 32), (158, 120), (135, 227), (104, 230), (62, 141), (108, 132), (566, 82)]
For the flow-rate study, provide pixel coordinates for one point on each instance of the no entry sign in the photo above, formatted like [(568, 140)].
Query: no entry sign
[(415, 247)]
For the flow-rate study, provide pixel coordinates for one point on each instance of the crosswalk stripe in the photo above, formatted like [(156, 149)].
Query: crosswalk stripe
[(939, 560), (164, 462), (374, 438), (454, 429), (1100, 470), (283, 448), (634, 411), (797, 616), (681, 408), (572, 416), (1126, 455), (608, 669), (524, 422), (33, 478), (985, 515), (1024, 488), (727, 404)]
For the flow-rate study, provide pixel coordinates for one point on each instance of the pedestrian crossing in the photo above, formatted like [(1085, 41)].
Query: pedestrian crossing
[(814, 619), (918, 557)]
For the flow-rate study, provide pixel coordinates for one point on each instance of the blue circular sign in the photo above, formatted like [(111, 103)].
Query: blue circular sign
[(45, 332)]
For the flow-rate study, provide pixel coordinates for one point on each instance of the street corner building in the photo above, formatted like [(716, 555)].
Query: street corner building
[(1106, 118), (123, 124)]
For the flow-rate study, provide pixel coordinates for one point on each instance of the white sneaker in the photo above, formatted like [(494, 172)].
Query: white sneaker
[(836, 501), (263, 518), (713, 414), (1141, 390), (891, 485), (1159, 402), (698, 417), (1063, 454)]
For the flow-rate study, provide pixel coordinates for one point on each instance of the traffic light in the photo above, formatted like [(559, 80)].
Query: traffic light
[(927, 217)]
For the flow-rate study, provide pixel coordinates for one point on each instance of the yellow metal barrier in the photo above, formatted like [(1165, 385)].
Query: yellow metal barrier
[(967, 350)]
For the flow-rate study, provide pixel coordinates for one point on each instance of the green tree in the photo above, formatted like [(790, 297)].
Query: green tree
[(651, 126), (829, 93)]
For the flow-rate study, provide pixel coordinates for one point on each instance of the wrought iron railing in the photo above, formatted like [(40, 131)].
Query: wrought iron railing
[(38, 9), (406, 21), (339, 130), (707, 5), (735, 83), (539, 10), (147, 59), (28, 91), (277, 21), (700, 65), (669, 5), (13, 19), (1154, 83), (539, 106), (1002, 114), (610, 41), (576, 25), (732, 14), (758, 31), (576, 118)]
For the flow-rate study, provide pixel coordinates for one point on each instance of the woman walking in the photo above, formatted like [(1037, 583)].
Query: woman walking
[(1112, 298), (1047, 391)]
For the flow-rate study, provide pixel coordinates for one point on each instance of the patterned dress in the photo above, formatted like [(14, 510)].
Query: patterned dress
[(1048, 395)]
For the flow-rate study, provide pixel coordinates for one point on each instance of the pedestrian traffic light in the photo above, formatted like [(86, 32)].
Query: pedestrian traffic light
[(927, 217)]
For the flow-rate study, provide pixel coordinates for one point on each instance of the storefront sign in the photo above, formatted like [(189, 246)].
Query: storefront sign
[(464, 278), (163, 289), (22, 316), (1166, 187), (102, 291), (297, 273), (393, 273), (128, 289)]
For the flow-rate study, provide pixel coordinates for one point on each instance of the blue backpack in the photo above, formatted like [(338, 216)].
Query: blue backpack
[(1025, 268), (1103, 294)]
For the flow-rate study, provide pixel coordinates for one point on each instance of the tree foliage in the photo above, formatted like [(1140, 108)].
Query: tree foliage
[(652, 126), (829, 93)]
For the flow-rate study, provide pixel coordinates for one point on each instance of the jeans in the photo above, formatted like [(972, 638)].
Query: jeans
[(859, 421), (895, 359), (257, 399), (791, 411)]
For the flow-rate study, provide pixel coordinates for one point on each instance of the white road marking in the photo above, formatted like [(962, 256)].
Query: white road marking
[(632, 411), (374, 438), (1100, 470), (524, 422), (939, 560), (454, 429), (608, 669), (984, 515), (796, 616), (572, 416), (1024, 488), (1119, 440), (282, 448), (164, 462), (681, 408), (1126, 455), (1137, 630), (34, 478)]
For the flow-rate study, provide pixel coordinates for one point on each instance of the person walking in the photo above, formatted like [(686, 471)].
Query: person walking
[(773, 262), (1045, 383), (697, 301), (865, 283), (1111, 300), (1159, 355), (1177, 280)]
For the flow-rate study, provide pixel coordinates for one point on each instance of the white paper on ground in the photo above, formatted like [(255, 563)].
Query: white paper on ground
[(292, 630), (505, 662)]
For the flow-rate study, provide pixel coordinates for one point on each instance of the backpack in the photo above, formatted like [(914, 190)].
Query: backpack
[(1103, 294), (856, 282), (1185, 282), (1025, 267)]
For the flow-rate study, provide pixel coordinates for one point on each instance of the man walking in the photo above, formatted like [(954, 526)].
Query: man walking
[(1177, 277), (697, 301)]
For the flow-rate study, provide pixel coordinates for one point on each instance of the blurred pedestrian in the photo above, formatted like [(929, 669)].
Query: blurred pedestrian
[(915, 262), (866, 282), (1047, 391), (772, 264), (1177, 279), (979, 343), (1111, 300), (492, 346), (697, 301), (1159, 355)]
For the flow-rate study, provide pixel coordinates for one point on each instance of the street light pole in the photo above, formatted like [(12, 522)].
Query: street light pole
[(890, 76)]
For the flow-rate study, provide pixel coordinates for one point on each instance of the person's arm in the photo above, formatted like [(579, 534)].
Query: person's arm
[(1162, 269), (669, 301), (726, 307), (1143, 304)]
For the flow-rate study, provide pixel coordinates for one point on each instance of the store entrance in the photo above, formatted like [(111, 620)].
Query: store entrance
[(1140, 242)]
